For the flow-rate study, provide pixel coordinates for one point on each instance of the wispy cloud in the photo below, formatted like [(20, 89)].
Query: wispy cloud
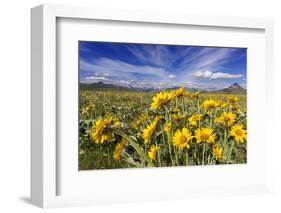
[(215, 75), (157, 55), (96, 78), (209, 58), (119, 68)]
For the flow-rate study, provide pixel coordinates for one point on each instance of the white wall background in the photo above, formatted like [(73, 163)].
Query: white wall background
[(15, 98)]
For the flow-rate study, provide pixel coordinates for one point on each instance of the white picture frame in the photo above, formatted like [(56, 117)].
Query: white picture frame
[(44, 153)]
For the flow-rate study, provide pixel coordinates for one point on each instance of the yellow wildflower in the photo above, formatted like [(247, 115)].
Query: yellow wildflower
[(194, 119), (179, 92), (149, 130), (152, 153), (195, 95), (140, 120), (168, 127), (175, 110), (236, 108), (217, 151), (100, 133), (181, 138), (160, 99), (117, 124), (233, 99), (119, 149), (238, 133), (224, 104), (209, 104), (218, 103), (226, 119), (177, 117), (157, 118), (205, 135)]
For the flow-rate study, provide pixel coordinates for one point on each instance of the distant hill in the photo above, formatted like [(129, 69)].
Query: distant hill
[(233, 89), (105, 86), (101, 86)]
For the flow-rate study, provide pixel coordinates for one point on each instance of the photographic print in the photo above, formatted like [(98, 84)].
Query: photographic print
[(158, 105)]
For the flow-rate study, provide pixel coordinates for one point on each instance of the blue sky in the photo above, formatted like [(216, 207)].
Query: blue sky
[(162, 66)]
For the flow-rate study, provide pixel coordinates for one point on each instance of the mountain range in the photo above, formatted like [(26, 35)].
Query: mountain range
[(233, 89)]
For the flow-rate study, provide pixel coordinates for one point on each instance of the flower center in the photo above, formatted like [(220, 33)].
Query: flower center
[(183, 139), (226, 119), (238, 132), (162, 99), (204, 136)]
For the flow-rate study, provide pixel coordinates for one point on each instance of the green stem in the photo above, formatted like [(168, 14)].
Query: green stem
[(203, 154), (170, 149), (209, 158), (169, 136), (196, 154), (108, 158), (158, 157), (183, 106), (225, 140), (187, 158), (176, 155), (230, 152)]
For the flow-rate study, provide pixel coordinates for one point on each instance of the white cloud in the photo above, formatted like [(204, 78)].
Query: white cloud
[(203, 74), (96, 78), (171, 76), (215, 75)]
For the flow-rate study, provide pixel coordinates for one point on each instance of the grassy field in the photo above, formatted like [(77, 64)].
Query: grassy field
[(124, 129)]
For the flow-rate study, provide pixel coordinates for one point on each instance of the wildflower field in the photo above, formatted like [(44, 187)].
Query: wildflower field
[(128, 129)]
